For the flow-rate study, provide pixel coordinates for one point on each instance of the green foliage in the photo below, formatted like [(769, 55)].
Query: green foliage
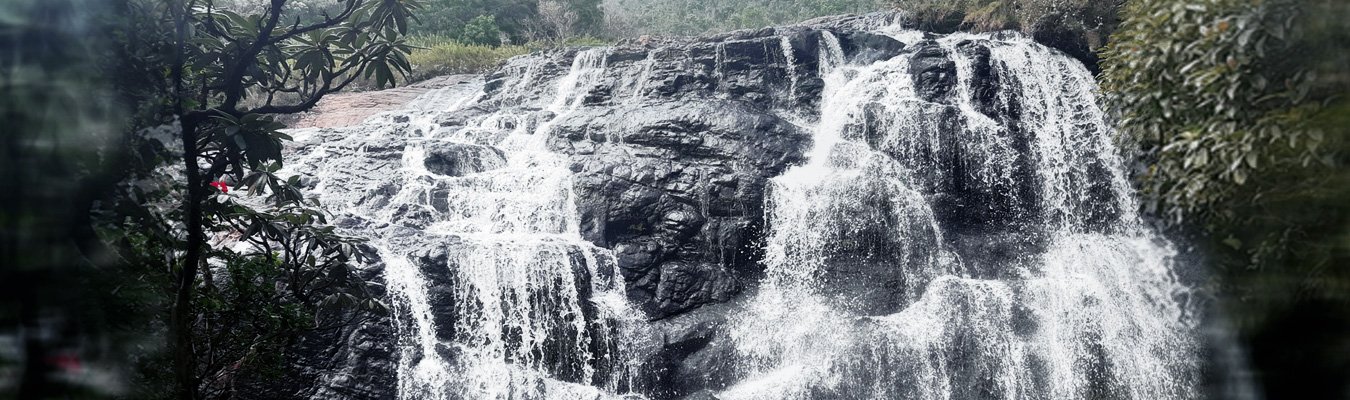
[(576, 41), (439, 55), (482, 31), (590, 17), (242, 306), (1236, 107), (366, 44), (627, 18), (251, 314), (989, 15), (1202, 89), (1219, 98), (451, 18)]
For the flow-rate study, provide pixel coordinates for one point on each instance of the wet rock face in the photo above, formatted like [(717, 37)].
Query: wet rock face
[(671, 145), (674, 146), (676, 190), (868, 47), (696, 357), (964, 202), (934, 74), (456, 159)]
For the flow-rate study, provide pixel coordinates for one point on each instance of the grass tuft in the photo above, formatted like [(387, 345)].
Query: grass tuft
[(441, 55)]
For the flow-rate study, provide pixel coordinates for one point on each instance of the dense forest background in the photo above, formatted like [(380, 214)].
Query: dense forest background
[(1233, 111)]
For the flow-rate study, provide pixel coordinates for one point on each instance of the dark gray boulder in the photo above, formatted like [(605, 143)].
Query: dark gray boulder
[(676, 190), (456, 159), (696, 355)]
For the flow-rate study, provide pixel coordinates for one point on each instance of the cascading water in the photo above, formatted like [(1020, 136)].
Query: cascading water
[(962, 227), (1093, 314), (532, 304)]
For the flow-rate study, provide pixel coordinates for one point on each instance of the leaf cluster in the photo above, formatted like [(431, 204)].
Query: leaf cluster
[(1201, 89), (234, 56), (1235, 111)]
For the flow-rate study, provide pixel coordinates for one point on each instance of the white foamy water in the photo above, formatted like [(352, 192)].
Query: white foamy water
[(1094, 315), (515, 305)]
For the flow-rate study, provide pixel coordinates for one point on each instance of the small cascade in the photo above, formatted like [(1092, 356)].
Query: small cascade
[(522, 277), (640, 84), (719, 64), (403, 277), (831, 53), (789, 65), (572, 89)]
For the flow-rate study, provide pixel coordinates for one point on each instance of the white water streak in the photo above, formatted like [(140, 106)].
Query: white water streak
[(1094, 313)]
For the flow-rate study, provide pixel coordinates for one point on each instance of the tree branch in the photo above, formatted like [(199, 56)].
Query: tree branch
[(351, 7), (309, 103), (234, 76)]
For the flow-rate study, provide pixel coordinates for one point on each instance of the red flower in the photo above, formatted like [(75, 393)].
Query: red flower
[(222, 186), (66, 361)]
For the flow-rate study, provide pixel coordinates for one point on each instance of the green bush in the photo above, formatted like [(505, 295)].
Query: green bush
[(990, 15), (513, 18), (482, 31), (630, 18), (1205, 89), (440, 55), (577, 41)]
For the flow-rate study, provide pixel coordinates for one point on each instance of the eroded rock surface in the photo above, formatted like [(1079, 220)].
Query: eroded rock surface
[(568, 175)]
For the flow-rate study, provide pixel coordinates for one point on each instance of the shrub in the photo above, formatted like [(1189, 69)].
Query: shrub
[(576, 41), (630, 18), (483, 31), (439, 55), (1206, 90)]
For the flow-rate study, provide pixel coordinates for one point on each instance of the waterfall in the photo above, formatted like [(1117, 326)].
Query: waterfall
[(789, 65), (497, 294), (522, 268), (959, 225), (1093, 314)]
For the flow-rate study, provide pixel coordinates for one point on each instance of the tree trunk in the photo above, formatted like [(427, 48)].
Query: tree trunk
[(180, 326), (185, 363)]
